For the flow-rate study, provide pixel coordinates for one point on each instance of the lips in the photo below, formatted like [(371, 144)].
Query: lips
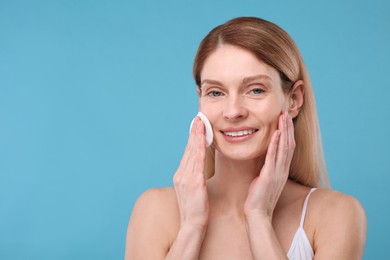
[(239, 133)]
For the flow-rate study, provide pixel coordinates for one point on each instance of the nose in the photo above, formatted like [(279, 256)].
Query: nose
[(234, 108)]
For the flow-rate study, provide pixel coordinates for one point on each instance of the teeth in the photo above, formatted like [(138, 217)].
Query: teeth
[(240, 133)]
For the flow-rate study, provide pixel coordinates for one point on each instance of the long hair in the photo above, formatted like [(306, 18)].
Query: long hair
[(272, 45)]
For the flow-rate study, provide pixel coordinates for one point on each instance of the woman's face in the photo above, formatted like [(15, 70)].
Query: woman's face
[(242, 97)]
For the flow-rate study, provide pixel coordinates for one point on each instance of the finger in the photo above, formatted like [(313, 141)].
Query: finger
[(291, 139), (200, 135), (201, 149), (283, 143), (270, 158), (191, 144)]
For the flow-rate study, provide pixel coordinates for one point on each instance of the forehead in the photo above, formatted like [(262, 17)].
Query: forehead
[(232, 63)]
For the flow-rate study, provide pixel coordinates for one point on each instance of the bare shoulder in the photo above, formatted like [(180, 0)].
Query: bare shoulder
[(157, 206), (156, 199), (340, 222), (153, 223), (332, 205), (334, 200)]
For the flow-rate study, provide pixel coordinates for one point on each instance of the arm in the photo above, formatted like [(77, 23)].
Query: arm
[(153, 224), (149, 229), (263, 241), (187, 244), (192, 197), (342, 227), (265, 191)]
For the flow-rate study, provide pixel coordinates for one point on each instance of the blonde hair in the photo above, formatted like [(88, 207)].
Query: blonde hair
[(274, 46)]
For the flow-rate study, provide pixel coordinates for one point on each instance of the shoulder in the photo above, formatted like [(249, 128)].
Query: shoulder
[(153, 223), (340, 225), (333, 204), (154, 199), (156, 206)]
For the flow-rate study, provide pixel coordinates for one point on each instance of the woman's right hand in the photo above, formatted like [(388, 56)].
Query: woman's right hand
[(189, 181)]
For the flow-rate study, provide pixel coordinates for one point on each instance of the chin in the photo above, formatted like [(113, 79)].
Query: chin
[(242, 153)]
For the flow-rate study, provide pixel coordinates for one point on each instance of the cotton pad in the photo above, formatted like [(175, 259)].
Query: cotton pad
[(208, 128)]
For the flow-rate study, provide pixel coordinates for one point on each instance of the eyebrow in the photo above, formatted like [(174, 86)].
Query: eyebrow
[(253, 78), (210, 81), (244, 80)]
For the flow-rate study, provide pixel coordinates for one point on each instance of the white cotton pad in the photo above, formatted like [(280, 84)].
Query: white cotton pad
[(209, 129)]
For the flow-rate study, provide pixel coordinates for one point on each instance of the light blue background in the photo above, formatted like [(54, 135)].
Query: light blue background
[(96, 98)]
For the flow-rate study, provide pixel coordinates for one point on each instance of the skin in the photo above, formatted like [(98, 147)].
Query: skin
[(249, 209)]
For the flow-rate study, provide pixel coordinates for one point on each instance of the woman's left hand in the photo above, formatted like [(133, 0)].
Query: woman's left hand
[(265, 189)]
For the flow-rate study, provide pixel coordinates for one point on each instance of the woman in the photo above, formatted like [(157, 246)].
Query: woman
[(259, 198)]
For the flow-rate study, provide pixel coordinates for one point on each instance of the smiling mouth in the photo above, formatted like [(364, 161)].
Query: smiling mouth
[(240, 133)]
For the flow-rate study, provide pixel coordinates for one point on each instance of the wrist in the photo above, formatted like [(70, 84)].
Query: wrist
[(194, 224), (252, 216), (258, 221), (193, 229), (187, 244)]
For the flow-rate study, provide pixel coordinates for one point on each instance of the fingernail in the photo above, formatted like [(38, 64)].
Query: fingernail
[(198, 123), (277, 135)]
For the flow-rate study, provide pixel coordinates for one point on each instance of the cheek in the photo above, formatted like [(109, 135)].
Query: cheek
[(211, 111), (275, 119), (269, 114), (274, 109), (209, 114), (270, 126)]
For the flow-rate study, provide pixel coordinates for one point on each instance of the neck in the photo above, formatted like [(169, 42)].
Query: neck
[(229, 186)]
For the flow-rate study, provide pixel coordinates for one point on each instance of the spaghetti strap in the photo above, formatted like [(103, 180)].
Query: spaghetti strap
[(300, 245), (305, 207)]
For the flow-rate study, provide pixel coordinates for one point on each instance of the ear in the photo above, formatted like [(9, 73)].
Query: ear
[(199, 91), (296, 98)]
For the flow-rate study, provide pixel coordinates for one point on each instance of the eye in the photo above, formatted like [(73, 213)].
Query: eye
[(214, 93), (256, 91)]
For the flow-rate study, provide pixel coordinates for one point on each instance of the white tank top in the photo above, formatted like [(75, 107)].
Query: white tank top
[(300, 248)]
